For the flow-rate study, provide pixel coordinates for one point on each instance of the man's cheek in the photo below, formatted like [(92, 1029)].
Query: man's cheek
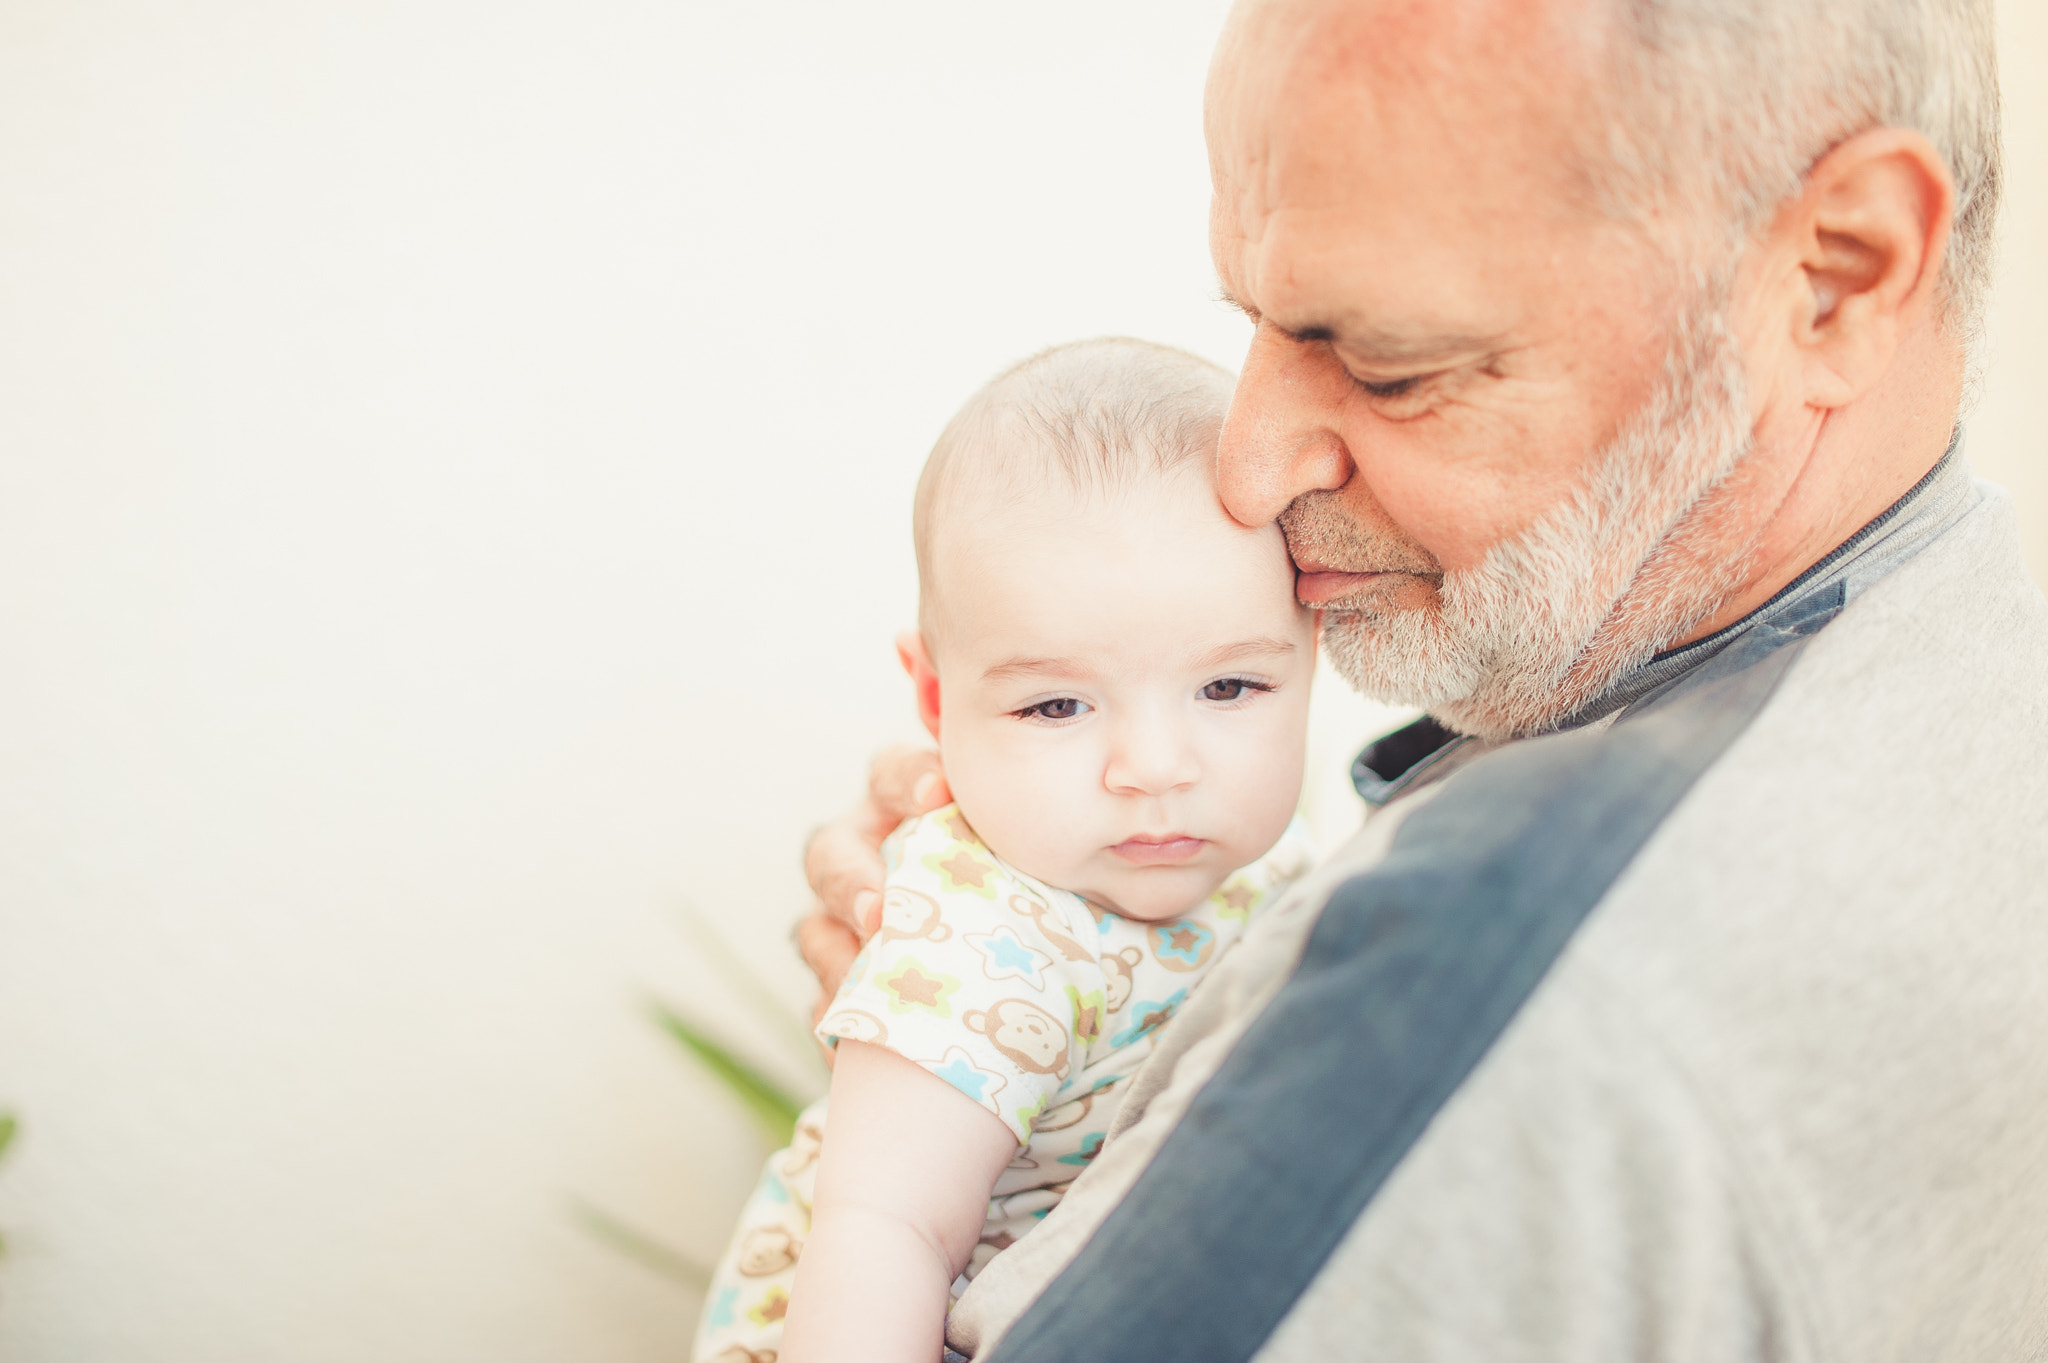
[(1454, 494)]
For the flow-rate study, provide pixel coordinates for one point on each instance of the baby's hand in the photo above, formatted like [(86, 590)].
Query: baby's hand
[(843, 862)]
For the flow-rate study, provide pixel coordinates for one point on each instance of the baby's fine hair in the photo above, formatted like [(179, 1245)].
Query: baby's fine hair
[(1092, 417)]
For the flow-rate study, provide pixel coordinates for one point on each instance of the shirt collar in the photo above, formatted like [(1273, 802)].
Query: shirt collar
[(1394, 762), (1897, 533)]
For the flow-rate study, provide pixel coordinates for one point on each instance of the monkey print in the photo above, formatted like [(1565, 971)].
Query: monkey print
[(1024, 997), (853, 1024), (767, 1250), (1117, 977), (909, 916), (1064, 1115), (1029, 1037), (805, 1143), (1038, 911)]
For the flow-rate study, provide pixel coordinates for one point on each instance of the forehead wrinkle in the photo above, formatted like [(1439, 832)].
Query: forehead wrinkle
[(1309, 92), (1390, 345), (1449, 60)]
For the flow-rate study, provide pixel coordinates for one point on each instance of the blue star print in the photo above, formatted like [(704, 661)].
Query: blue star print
[(1008, 956)]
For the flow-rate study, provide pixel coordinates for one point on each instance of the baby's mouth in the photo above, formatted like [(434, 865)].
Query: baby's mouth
[(1166, 849)]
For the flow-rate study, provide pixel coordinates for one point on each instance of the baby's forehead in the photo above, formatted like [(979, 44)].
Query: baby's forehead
[(989, 516), (1152, 568)]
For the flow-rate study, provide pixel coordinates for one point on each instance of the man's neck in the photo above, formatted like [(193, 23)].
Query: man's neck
[(1817, 476)]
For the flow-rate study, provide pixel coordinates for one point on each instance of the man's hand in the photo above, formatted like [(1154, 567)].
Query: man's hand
[(843, 862)]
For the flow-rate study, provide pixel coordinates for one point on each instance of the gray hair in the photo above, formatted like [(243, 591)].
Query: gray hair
[(1753, 92), (1092, 417)]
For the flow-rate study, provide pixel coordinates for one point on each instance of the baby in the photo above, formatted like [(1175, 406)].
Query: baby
[(1117, 675)]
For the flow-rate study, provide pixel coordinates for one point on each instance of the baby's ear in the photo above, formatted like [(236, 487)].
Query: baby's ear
[(924, 678)]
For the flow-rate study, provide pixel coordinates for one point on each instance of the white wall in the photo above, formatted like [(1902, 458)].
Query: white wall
[(454, 464), (2009, 428)]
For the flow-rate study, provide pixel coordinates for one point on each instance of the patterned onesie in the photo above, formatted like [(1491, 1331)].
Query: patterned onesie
[(1029, 1000)]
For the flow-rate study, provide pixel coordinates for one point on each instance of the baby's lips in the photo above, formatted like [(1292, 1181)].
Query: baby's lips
[(1171, 849)]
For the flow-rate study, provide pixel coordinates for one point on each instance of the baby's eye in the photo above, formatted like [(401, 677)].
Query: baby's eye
[(1057, 709), (1227, 689)]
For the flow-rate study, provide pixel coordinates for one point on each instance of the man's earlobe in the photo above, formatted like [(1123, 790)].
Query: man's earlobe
[(1871, 230), (924, 677)]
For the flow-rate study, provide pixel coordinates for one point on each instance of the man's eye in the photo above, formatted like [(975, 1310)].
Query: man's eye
[(1392, 388), (1231, 688), (1061, 707)]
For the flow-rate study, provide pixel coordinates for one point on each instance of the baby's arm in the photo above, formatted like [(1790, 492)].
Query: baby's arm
[(902, 1194)]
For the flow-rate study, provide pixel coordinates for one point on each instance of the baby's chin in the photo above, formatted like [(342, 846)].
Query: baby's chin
[(1155, 894)]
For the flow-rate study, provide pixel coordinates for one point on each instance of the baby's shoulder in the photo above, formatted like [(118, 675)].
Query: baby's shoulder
[(945, 884)]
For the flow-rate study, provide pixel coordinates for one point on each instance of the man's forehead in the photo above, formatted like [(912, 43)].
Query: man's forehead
[(1405, 149), (1309, 98)]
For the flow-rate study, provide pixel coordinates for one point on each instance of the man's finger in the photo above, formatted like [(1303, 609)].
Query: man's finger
[(907, 781), (845, 870), (828, 948)]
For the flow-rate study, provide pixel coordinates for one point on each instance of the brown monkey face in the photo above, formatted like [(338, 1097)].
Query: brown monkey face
[(1116, 975), (906, 913), (1029, 1035), (855, 1025), (765, 1251)]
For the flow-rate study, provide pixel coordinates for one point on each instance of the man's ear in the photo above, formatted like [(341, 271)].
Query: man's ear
[(1864, 242), (924, 678)]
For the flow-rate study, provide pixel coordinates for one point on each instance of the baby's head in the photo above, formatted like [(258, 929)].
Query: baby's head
[(1117, 673)]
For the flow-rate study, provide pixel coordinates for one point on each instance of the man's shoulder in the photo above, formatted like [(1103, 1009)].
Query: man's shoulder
[(1777, 1067), (1960, 623), (1835, 937), (1899, 759)]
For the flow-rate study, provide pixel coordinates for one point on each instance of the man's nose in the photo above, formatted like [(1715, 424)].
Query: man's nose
[(1280, 439), (1150, 755)]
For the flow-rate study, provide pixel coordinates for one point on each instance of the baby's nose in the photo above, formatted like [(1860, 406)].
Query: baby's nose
[(1151, 755)]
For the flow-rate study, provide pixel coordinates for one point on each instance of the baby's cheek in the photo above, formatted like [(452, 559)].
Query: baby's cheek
[(1261, 780), (1027, 799)]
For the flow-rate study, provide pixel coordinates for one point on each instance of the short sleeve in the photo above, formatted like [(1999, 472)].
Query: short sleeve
[(973, 975)]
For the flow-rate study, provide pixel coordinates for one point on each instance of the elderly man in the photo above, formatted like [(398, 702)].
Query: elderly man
[(1687, 996)]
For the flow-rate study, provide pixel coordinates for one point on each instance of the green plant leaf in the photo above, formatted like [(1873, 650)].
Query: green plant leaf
[(758, 995), (9, 1127), (773, 1108), (643, 1249)]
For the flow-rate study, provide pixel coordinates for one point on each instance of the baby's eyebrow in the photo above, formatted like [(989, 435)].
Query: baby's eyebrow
[(1245, 649), (1075, 669), (1065, 669)]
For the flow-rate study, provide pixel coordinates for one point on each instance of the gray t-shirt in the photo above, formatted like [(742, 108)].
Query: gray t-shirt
[(1779, 1092)]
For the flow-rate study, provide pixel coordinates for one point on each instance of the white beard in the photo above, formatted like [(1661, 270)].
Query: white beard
[(1551, 617)]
